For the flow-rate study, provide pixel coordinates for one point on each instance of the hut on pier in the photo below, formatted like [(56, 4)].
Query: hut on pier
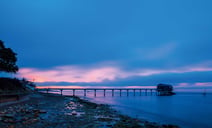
[(165, 90)]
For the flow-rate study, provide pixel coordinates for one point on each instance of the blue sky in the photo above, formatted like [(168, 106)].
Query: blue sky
[(113, 42)]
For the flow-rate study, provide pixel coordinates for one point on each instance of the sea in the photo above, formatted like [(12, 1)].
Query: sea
[(185, 109)]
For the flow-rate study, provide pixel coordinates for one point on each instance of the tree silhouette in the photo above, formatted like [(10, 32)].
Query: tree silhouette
[(7, 59)]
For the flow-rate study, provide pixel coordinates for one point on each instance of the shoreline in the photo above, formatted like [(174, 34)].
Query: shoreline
[(55, 111)]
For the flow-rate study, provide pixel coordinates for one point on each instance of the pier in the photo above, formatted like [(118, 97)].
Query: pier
[(146, 91)]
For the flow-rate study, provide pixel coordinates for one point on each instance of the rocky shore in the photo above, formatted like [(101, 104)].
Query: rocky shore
[(52, 111)]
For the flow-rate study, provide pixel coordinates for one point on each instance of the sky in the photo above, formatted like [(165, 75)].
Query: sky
[(110, 42)]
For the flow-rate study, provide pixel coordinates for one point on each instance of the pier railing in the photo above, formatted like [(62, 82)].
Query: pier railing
[(147, 91)]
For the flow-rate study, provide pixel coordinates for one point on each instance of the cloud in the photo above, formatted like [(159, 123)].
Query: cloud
[(161, 51), (195, 84), (111, 73), (154, 52), (183, 84), (71, 74), (203, 84)]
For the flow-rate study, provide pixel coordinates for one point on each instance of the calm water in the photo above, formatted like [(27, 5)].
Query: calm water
[(186, 110)]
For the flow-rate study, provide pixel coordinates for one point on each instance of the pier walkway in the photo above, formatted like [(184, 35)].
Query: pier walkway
[(147, 91)]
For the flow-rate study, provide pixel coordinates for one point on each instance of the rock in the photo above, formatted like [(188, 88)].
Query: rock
[(11, 126), (24, 118), (8, 116), (34, 120), (30, 121), (74, 113), (42, 111), (36, 114), (152, 125), (9, 121), (109, 125), (35, 110), (105, 119), (170, 126), (142, 124), (2, 113)]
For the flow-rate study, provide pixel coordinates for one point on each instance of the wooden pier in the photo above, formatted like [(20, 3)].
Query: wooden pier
[(146, 91)]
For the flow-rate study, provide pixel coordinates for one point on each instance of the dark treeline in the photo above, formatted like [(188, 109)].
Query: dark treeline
[(8, 59), (9, 84)]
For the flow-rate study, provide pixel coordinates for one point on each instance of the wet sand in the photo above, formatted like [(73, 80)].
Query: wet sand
[(53, 111)]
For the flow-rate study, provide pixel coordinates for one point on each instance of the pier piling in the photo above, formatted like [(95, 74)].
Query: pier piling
[(61, 92), (95, 92), (73, 92), (104, 92), (84, 92)]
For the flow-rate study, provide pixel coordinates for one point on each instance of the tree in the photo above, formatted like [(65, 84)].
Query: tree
[(7, 59)]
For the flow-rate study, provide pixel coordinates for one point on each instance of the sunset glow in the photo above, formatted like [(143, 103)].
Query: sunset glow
[(76, 74)]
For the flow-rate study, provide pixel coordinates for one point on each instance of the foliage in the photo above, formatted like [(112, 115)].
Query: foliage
[(14, 84), (26, 82), (7, 59), (9, 84)]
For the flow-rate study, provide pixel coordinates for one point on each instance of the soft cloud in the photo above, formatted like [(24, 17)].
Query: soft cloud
[(183, 84), (72, 74), (196, 84), (161, 51), (203, 84), (155, 52), (98, 74)]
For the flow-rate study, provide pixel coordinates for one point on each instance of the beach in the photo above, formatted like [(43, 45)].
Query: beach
[(54, 111)]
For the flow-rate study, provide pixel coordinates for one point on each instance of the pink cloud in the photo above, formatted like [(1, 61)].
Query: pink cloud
[(98, 73), (56, 86), (203, 84), (72, 74), (140, 87), (183, 84)]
